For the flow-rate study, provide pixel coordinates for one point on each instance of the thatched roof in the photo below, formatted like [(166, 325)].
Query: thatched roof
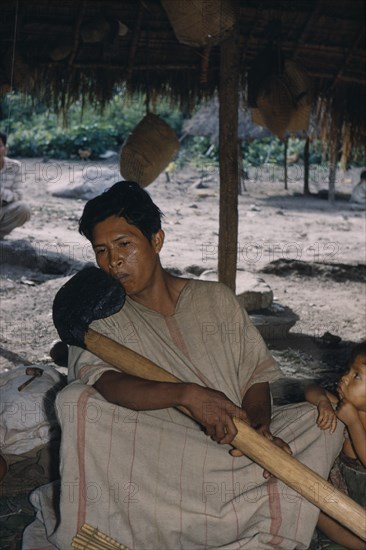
[(51, 48)]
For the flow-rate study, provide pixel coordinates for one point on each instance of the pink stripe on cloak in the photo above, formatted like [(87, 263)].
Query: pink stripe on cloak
[(274, 502), (81, 431)]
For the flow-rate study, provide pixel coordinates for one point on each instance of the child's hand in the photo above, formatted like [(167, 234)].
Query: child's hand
[(327, 418), (346, 412)]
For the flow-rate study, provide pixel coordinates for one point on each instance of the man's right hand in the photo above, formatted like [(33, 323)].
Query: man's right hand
[(214, 411)]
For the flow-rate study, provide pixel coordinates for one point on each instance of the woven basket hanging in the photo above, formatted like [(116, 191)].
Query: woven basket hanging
[(274, 107), (199, 23), (300, 87), (283, 101), (148, 150)]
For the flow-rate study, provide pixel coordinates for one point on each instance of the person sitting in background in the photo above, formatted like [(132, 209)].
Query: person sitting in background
[(13, 212), (358, 197), (350, 467)]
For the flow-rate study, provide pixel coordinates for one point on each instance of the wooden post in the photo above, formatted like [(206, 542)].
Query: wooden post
[(228, 148), (333, 158), (285, 161), (306, 166), (240, 167)]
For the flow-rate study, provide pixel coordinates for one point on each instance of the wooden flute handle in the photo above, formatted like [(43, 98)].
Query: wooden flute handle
[(258, 448)]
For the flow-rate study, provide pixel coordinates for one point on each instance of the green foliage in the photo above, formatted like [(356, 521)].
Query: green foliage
[(35, 131)]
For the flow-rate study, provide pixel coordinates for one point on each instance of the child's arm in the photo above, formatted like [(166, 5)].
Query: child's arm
[(348, 414), (323, 400)]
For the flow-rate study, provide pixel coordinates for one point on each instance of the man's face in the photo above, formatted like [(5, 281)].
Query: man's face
[(123, 251)]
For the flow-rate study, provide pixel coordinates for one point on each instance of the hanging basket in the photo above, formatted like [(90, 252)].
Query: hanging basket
[(274, 107), (199, 23), (148, 150), (300, 87), (282, 102)]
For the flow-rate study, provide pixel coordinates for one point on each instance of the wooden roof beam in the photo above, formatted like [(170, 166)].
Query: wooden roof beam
[(313, 17), (76, 42), (348, 56), (135, 37)]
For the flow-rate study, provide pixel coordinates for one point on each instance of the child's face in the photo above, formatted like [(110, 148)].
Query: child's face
[(352, 385)]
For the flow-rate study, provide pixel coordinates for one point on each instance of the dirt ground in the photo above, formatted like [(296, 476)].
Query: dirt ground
[(281, 235), (274, 224), (310, 252)]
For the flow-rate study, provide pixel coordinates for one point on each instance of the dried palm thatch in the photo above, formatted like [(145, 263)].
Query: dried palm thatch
[(70, 50)]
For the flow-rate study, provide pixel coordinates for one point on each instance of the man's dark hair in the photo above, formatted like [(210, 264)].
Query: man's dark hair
[(3, 137), (127, 200), (358, 349)]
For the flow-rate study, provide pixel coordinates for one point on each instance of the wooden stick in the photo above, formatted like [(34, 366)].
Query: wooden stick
[(258, 448)]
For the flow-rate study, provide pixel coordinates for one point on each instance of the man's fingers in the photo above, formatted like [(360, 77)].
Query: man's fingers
[(221, 433), (242, 415), (281, 443), (236, 453), (230, 431), (210, 431)]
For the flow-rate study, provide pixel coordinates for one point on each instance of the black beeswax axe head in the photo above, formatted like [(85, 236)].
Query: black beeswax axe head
[(89, 295)]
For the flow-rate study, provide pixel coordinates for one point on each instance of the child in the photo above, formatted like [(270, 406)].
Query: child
[(350, 408)]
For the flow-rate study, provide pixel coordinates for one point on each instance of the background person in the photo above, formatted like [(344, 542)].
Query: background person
[(358, 197), (13, 212)]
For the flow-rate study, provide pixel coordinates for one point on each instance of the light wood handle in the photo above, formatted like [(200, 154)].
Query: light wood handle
[(258, 448)]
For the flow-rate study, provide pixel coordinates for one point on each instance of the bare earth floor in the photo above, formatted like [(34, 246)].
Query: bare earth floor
[(321, 275)]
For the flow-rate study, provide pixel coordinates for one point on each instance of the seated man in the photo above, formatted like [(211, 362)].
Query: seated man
[(358, 197), (134, 466), (13, 212)]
